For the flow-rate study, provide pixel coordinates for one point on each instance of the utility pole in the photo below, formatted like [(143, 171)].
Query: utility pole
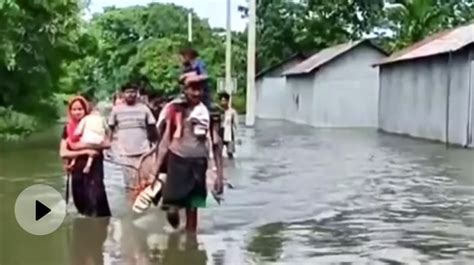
[(228, 51), (251, 93), (190, 26)]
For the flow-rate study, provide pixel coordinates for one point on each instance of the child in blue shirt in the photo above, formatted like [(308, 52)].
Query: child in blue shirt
[(194, 70)]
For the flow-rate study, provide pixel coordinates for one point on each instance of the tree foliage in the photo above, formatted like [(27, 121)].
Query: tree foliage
[(413, 20), (285, 27), (144, 41), (48, 49), (38, 38)]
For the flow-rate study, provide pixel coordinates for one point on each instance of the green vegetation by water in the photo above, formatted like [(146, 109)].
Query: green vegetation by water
[(49, 51)]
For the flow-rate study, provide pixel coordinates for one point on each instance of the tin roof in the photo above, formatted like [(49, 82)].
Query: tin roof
[(325, 56), (298, 55), (440, 43)]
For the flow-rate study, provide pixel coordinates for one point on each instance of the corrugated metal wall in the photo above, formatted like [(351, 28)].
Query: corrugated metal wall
[(413, 97), (300, 103), (343, 93), (346, 90), (272, 95)]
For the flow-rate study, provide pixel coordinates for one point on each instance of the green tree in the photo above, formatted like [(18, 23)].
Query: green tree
[(144, 41), (48, 49), (413, 20), (38, 37), (287, 27)]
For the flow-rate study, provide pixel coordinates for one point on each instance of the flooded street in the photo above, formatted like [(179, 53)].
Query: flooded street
[(302, 196)]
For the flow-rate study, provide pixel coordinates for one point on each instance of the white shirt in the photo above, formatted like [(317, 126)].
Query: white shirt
[(92, 129), (229, 124)]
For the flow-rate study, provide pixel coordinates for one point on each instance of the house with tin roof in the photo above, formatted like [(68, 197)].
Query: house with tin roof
[(426, 90), (336, 87)]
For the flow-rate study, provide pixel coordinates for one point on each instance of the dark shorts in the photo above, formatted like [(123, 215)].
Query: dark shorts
[(185, 185)]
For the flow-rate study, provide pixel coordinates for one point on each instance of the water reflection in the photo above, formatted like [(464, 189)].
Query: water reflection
[(302, 196), (88, 237), (183, 249), (141, 241), (267, 242)]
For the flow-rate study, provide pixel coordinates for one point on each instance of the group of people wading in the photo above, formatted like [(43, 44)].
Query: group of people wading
[(170, 149)]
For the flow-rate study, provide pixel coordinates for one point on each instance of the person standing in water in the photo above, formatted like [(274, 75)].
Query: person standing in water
[(195, 71), (133, 124), (91, 130), (230, 120), (188, 157), (88, 190)]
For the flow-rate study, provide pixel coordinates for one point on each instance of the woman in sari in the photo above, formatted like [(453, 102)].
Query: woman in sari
[(88, 190)]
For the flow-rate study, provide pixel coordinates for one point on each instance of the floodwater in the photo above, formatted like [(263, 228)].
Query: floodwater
[(302, 196)]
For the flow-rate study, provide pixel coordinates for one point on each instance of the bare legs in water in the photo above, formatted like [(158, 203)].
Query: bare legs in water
[(173, 218)]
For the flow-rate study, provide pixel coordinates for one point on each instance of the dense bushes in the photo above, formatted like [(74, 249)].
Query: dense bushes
[(14, 125)]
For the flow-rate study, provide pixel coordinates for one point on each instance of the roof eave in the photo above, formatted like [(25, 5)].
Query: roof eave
[(262, 73), (300, 73), (425, 42), (376, 46), (352, 46), (399, 60)]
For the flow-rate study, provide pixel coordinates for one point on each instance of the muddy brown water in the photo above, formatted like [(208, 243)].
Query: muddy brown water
[(302, 196)]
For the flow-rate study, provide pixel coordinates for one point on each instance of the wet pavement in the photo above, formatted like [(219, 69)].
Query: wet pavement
[(302, 196)]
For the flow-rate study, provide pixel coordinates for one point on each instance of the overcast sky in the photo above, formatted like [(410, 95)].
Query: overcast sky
[(213, 10)]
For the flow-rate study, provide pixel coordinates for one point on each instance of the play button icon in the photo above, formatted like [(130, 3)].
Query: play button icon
[(40, 209)]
